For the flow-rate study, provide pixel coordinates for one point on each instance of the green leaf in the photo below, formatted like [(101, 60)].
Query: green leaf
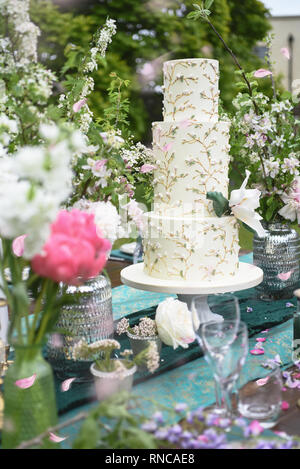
[(208, 4), (198, 7), (220, 203), (89, 435)]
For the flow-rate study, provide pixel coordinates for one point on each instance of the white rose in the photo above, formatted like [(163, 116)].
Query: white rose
[(174, 323)]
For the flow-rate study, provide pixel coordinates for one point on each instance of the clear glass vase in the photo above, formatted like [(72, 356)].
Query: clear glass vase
[(28, 412), (278, 255), (89, 318)]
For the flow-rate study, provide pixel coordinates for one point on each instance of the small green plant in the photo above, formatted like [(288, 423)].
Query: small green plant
[(101, 352)]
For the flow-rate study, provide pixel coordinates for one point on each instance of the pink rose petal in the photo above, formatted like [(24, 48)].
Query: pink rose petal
[(262, 72), (77, 106), (65, 385), (18, 245), (255, 428), (285, 52), (284, 276), (257, 351), (167, 147), (261, 339), (56, 438), (26, 382), (285, 405), (146, 168), (262, 381)]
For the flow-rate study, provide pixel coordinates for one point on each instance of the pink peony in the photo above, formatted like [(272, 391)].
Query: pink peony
[(74, 252)]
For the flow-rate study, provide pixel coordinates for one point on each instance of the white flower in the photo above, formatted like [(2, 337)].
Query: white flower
[(49, 131), (175, 323), (112, 138), (243, 203), (135, 213), (291, 165), (272, 167), (291, 209), (107, 219)]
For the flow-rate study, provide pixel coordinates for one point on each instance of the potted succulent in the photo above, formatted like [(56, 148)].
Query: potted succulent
[(140, 335), (114, 374)]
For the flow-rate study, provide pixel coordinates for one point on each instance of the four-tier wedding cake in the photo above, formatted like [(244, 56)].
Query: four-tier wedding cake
[(183, 238)]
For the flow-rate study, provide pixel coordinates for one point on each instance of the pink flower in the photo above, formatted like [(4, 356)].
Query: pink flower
[(260, 339), (77, 106), (285, 52), (18, 245), (262, 72), (74, 252), (146, 168)]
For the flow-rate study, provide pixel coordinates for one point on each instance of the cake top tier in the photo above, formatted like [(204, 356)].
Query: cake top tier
[(191, 90)]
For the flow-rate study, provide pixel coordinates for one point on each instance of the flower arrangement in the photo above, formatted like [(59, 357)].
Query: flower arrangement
[(264, 136), (145, 328), (102, 350)]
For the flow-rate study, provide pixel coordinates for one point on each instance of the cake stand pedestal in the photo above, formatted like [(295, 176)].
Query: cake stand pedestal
[(247, 276)]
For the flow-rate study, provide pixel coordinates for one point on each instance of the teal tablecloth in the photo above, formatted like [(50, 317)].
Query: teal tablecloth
[(193, 382)]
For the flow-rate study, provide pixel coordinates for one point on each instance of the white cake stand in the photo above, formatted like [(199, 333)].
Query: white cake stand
[(248, 276)]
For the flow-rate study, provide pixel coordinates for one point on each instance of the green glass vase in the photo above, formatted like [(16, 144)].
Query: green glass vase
[(30, 411)]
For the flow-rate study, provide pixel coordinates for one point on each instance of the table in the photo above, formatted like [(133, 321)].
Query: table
[(288, 422)]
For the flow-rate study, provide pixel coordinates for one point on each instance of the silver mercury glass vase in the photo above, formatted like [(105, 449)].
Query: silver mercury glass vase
[(89, 319), (277, 253)]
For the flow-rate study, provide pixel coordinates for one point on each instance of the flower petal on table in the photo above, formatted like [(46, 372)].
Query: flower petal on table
[(257, 351), (262, 381), (26, 383), (285, 405), (65, 385), (56, 438)]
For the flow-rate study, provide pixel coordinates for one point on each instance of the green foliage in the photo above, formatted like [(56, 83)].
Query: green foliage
[(220, 203), (113, 426), (149, 30)]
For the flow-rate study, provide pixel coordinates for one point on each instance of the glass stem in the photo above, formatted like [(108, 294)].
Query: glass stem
[(226, 390)]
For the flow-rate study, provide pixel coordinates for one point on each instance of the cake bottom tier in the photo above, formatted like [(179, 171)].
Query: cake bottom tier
[(190, 248)]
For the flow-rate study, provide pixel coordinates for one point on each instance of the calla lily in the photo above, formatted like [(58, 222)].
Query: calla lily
[(262, 72), (243, 203)]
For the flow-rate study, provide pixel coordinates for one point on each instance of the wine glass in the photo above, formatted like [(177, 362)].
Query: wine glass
[(223, 306), (225, 345)]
